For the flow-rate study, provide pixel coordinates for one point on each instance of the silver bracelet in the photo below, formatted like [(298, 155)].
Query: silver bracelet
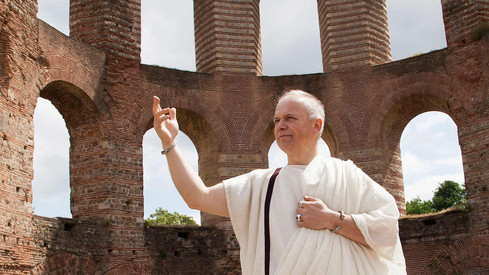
[(342, 217), (164, 152)]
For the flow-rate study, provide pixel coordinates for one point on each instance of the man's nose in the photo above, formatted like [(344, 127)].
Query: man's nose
[(281, 125)]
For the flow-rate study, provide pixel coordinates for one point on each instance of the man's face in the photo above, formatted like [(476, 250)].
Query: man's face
[(293, 130)]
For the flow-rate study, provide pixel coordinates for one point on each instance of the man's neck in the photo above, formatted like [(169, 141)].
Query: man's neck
[(302, 159)]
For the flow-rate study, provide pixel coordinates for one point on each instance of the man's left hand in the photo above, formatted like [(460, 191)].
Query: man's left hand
[(315, 214)]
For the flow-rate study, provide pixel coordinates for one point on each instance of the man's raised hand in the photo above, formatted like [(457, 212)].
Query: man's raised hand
[(165, 123)]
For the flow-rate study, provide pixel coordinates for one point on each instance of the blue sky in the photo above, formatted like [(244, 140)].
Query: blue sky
[(290, 45)]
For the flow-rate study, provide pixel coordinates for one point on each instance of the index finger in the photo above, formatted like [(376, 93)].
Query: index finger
[(156, 104)]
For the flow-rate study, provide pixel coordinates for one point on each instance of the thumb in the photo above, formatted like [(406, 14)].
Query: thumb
[(156, 104), (173, 113), (309, 198)]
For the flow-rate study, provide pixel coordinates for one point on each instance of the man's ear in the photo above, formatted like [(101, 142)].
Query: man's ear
[(318, 123)]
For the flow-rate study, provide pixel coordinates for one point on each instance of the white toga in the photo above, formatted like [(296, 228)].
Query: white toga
[(294, 250)]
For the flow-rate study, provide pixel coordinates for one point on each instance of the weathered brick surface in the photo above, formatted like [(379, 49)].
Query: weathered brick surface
[(227, 36), (353, 33), (96, 82)]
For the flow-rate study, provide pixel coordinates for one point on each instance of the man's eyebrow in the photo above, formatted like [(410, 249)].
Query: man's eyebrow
[(288, 114)]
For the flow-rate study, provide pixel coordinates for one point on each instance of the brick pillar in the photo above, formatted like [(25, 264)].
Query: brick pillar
[(474, 144), (18, 71), (383, 166), (106, 169), (353, 33), (462, 18), (111, 26), (115, 28), (227, 36)]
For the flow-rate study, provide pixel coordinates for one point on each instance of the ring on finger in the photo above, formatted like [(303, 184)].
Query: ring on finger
[(300, 205), (298, 217)]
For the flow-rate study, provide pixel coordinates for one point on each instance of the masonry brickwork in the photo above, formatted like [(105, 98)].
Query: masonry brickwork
[(96, 81)]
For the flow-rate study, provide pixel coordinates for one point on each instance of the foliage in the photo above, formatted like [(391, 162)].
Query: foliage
[(163, 217), (417, 206), (448, 194)]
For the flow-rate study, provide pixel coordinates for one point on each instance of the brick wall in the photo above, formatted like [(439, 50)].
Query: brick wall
[(96, 82)]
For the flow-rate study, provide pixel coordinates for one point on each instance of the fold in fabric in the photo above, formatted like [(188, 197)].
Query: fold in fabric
[(342, 186)]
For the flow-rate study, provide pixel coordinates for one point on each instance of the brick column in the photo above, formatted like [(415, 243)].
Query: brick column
[(353, 33), (106, 168), (383, 166), (18, 71), (111, 26), (474, 143), (462, 18), (227, 36)]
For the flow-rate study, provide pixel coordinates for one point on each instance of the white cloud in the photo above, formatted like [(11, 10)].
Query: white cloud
[(452, 161), (425, 187), (412, 163)]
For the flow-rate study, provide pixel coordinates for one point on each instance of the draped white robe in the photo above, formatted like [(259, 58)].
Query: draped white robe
[(342, 186)]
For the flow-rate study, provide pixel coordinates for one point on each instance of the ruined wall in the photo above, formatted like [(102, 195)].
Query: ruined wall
[(96, 81)]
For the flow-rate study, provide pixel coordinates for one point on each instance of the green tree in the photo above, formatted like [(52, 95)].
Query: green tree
[(162, 216), (449, 194), (417, 206)]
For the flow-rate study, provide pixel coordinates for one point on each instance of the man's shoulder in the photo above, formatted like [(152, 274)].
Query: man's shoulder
[(252, 175), (338, 162)]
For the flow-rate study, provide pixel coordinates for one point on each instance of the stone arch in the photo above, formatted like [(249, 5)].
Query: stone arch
[(466, 256), (442, 90), (87, 133), (199, 118), (208, 111), (74, 105), (66, 263), (76, 63), (404, 99)]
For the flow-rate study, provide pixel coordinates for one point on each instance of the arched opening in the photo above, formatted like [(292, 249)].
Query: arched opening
[(200, 149), (412, 37), (51, 183), (167, 34), (159, 190), (56, 13), (430, 154), (83, 123), (277, 158), (290, 37), (394, 124)]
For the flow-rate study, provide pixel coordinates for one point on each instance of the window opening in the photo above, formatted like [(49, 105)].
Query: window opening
[(159, 190), (430, 154), (51, 183)]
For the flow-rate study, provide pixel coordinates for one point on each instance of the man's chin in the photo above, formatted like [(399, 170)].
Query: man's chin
[(284, 146)]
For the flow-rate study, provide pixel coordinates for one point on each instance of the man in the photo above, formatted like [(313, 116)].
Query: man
[(326, 216)]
